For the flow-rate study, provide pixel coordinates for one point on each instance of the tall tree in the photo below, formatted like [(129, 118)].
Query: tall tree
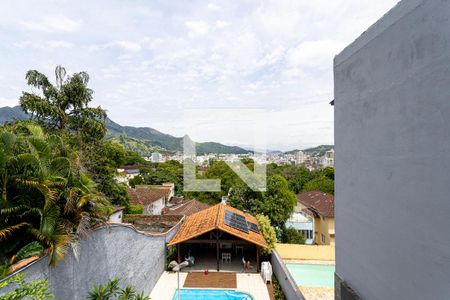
[(64, 106)]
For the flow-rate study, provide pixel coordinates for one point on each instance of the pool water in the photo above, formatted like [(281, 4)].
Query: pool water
[(206, 294), (312, 275)]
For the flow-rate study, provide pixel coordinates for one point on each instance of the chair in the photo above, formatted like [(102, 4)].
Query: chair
[(226, 257)]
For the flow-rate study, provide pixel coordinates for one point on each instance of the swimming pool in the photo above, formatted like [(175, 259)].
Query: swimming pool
[(312, 275), (206, 294)]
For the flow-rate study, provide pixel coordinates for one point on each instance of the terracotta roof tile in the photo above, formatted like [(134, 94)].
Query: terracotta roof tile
[(213, 218), (144, 195), (320, 202), (186, 208)]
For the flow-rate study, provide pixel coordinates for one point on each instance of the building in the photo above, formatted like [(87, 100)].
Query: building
[(185, 207), (300, 157), (152, 198), (156, 157), (314, 217), (117, 214), (124, 174), (219, 232), (328, 159), (392, 142)]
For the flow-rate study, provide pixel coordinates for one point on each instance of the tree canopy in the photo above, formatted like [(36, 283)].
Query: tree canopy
[(64, 106)]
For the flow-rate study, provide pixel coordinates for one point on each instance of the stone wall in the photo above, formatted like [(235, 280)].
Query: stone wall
[(108, 252)]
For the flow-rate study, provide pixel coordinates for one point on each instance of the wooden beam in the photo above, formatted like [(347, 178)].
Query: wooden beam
[(217, 250), (207, 241), (257, 259)]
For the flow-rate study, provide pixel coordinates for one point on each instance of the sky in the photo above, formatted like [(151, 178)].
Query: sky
[(165, 64)]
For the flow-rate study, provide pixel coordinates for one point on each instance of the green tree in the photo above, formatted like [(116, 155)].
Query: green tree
[(291, 235), (277, 202), (49, 198), (268, 232), (301, 176), (64, 106), (322, 184)]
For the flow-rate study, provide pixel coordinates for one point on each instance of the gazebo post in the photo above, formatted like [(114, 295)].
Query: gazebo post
[(178, 253), (257, 259), (217, 249)]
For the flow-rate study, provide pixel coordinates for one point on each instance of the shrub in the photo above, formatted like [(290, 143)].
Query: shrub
[(135, 209), (268, 232), (36, 290), (292, 236), (111, 290)]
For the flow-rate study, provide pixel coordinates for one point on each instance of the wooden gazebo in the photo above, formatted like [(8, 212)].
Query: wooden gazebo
[(220, 225)]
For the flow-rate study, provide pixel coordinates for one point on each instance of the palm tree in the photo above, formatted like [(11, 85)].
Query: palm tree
[(53, 199)]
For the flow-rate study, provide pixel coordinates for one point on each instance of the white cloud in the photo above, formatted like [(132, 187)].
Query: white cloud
[(55, 23), (123, 45), (155, 59), (314, 53), (213, 6), (43, 44), (222, 24), (197, 28)]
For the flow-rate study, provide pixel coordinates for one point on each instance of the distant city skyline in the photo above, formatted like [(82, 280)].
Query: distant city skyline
[(149, 62)]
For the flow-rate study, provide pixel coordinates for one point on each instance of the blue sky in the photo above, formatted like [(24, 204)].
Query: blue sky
[(150, 61)]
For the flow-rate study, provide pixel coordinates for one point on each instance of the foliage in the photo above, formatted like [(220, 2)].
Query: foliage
[(268, 232), (64, 106), (36, 290), (277, 291), (158, 173), (135, 209), (322, 184), (277, 202), (111, 290), (46, 196), (291, 235)]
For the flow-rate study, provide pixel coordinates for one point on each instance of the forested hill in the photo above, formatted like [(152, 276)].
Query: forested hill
[(141, 139), (315, 151)]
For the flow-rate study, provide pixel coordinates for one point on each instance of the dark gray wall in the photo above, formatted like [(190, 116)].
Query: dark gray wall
[(108, 252), (287, 282), (392, 135)]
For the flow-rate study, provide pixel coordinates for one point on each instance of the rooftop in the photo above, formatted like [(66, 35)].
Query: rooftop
[(319, 203), (214, 218), (186, 208)]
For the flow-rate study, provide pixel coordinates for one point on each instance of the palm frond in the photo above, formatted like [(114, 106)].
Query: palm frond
[(5, 232)]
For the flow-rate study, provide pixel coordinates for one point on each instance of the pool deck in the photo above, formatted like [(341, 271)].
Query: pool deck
[(250, 283)]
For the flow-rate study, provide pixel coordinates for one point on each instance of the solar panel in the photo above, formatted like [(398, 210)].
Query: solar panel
[(253, 227), (236, 221)]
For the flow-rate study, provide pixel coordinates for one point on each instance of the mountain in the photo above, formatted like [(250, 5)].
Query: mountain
[(143, 140), (315, 151)]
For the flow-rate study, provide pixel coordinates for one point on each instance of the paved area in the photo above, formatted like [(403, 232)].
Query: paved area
[(251, 283), (317, 293), (167, 285), (220, 280)]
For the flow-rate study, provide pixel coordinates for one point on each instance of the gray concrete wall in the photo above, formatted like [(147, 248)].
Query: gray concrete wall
[(287, 282), (108, 252), (392, 135)]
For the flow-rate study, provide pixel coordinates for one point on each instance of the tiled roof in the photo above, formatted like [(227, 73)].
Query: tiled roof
[(186, 208), (213, 218), (144, 195), (318, 202)]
